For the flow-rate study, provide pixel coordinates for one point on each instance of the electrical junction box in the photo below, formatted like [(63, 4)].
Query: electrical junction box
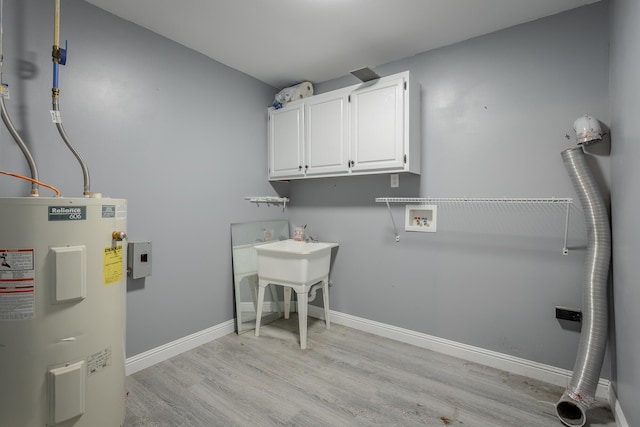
[(422, 218), (139, 259)]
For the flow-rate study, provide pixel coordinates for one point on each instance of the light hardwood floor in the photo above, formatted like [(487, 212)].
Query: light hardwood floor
[(344, 378)]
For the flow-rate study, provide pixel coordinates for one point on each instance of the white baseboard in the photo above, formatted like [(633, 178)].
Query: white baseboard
[(505, 362), (159, 354), (621, 421)]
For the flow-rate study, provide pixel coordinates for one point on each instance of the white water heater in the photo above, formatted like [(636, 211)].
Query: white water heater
[(62, 312)]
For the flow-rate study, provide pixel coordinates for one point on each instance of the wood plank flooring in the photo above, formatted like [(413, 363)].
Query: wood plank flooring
[(344, 378)]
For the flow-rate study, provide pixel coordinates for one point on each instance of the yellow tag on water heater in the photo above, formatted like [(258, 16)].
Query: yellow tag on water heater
[(112, 265)]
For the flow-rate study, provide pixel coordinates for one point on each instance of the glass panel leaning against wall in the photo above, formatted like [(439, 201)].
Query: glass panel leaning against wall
[(244, 238)]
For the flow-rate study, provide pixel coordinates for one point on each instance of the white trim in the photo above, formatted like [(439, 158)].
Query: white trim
[(614, 403), (505, 362), (159, 354)]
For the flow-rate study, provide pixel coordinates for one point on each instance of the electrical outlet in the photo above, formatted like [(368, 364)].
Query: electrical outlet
[(569, 314), (395, 180)]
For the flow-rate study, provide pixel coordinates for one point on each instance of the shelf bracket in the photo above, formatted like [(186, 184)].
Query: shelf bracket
[(395, 229), (565, 250), (269, 200)]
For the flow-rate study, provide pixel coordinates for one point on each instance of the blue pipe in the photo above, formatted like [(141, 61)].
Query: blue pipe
[(55, 75), (61, 60)]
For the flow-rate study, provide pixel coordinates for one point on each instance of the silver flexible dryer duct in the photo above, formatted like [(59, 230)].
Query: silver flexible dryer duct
[(580, 395)]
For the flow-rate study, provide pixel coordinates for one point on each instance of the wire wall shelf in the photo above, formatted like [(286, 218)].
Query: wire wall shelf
[(268, 200), (566, 201), (499, 200)]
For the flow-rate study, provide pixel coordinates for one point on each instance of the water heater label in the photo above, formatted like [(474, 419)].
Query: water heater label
[(17, 284), (67, 213), (121, 212), (98, 361), (109, 211), (112, 265)]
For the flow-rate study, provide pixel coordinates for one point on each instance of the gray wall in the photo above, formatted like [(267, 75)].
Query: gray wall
[(625, 156), (495, 112), (182, 137)]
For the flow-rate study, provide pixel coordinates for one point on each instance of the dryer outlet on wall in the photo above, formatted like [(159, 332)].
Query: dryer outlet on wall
[(139, 259), (422, 218), (566, 313)]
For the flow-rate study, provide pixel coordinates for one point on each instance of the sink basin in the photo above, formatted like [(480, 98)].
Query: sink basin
[(298, 266), (292, 262)]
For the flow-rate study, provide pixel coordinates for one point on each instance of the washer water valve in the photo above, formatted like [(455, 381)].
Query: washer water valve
[(421, 218)]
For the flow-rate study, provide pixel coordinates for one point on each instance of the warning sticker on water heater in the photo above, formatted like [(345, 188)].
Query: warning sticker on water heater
[(112, 265), (98, 361), (17, 284)]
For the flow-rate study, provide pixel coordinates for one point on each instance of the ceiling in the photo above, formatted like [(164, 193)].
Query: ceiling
[(283, 42)]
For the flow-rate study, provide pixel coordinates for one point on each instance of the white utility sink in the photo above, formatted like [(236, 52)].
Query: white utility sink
[(289, 261), (298, 266)]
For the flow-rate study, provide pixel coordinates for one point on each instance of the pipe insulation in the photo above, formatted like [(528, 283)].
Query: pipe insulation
[(56, 23), (580, 395)]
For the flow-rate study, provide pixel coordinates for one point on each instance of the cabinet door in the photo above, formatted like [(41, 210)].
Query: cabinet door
[(377, 126), (326, 134), (285, 142)]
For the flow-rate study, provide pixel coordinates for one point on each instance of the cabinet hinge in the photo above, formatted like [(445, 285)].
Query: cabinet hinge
[(405, 85), (349, 98), (405, 159)]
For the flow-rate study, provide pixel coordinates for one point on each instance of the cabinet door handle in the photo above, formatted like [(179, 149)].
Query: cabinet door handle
[(300, 167), (306, 167)]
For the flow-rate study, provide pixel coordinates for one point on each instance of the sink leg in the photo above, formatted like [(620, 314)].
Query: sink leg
[(302, 318), (274, 297), (325, 300), (287, 301), (259, 309)]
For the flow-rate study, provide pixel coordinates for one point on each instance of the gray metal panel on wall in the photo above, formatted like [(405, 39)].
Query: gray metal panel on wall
[(625, 203), (497, 111), (158, 124)]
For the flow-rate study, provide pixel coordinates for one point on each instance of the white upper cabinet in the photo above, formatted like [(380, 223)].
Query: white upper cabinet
[(368, 128), (326, 134), (377, 131), (286, 141)]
